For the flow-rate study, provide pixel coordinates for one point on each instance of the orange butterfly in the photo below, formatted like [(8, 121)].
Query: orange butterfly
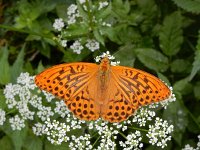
[(92, 91)]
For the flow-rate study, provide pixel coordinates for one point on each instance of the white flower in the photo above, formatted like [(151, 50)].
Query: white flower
[(72, 13), (61, 108), (17, 123), (76, 47), (159, 133), (58, 24), (63, 43), (26, 80), (81, 1), (44, 113), (71, 9), (133, 141), (2, 117), (56, 131), (102, 5), (38, 129), (92, 45)]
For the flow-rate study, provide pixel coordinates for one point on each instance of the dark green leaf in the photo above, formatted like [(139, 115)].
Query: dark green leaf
[(189, 5), (40, 67), (17, 67), (196, 63), (152, 59), (4, 66), (170, 35), (197, 90)]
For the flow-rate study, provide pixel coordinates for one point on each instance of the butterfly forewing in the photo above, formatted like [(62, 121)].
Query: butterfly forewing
[(70, 82)]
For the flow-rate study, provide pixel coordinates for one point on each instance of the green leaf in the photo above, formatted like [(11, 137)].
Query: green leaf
[(196, 90), (17, 67), (32, 142), (175, 65), (196, 63), (4, 66), (189, 5), (17, 137), (6, 144), (98, 36), (183, 86), (126, 55), (40, 67), (171, 34), (152, 59), (3, 104), (176, 115)]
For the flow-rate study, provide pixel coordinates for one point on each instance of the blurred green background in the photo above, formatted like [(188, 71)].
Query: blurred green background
[(158, 36)]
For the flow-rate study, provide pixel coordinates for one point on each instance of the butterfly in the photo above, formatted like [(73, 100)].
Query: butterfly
[(93, 91)]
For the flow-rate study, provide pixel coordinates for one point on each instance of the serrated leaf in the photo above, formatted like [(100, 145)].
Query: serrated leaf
[(17, 67), (177, 116), (126, 55), (171, 34), (196, 63), (152, 59), (4, 66), (189, 5)]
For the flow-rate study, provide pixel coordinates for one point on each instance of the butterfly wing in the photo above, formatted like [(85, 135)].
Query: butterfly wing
[(131, 88), (75, 83)]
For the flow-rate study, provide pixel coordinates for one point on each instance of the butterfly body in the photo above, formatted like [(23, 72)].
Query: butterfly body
[(92, 91)]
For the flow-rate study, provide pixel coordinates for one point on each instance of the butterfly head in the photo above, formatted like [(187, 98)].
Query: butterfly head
[(105, 63)]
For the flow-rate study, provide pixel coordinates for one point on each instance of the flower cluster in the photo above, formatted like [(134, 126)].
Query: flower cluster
[(77, 17), (133, 141), (159, 132)]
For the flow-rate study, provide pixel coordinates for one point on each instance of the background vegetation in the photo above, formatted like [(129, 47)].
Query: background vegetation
[(160, 37)]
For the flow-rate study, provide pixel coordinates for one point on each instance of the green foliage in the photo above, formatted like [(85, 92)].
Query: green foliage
[(151, 35), (170, 35), (189, 5)]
